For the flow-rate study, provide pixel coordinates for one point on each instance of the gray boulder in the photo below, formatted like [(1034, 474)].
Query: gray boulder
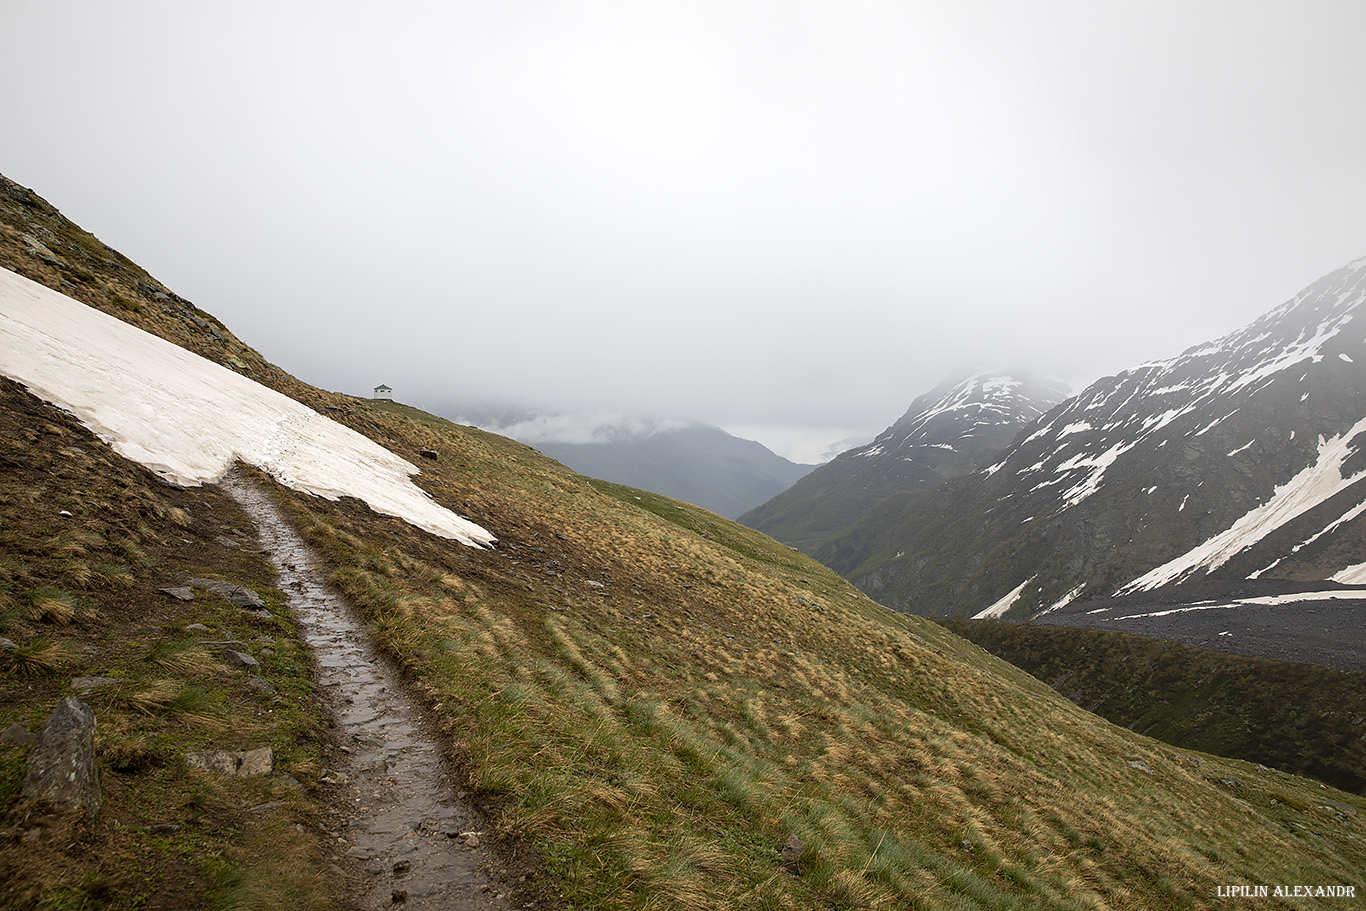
[(61, 764), (241, 597)]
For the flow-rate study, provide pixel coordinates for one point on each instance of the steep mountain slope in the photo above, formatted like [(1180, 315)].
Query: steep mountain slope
[(699, 464), (653, 702), (1237, 459), (956, 428)]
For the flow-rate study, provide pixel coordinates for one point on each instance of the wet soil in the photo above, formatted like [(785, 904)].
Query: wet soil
[(411, 839)]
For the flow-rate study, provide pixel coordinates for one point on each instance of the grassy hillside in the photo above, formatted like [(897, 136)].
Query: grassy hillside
[(1297, 717), (650, 701)]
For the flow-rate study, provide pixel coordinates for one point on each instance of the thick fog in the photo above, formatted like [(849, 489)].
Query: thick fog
[(785, 218)]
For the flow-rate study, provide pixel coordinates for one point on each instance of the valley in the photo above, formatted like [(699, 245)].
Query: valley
[(653, 706)]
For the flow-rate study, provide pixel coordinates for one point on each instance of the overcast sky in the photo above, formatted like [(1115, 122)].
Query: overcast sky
[(785, 218)]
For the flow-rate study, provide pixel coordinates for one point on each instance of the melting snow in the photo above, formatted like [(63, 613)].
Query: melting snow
[(1241, 448), (1063, 601), (189, 419), (1000, 607), (1312, 486), (1267, 601)]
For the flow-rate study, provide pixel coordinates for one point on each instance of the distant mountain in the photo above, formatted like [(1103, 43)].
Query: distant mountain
[(1238, 460), (688, 461), (653, 705), (959, 426)]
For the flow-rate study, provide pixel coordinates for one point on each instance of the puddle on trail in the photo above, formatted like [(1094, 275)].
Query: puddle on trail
[(407, 823)]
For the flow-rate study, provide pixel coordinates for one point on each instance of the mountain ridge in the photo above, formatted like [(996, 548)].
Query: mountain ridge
[(1141, 470), (958, 426)]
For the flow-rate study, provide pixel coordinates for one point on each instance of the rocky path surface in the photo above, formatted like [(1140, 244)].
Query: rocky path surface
[(419, 846)]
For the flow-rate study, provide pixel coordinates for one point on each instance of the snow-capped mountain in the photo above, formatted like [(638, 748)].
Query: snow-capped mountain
[(1237, 460), (957, 427)]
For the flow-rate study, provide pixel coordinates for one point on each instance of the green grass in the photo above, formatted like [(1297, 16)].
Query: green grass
[(1296, 717), (657, 736)]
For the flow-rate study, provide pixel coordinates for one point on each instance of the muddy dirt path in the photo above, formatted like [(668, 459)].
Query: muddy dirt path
[(419, 846)]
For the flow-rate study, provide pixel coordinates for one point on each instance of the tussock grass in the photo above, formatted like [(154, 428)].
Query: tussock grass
[(39, 657), (143, 698), (184, 658), (47, 604), (658, 736)]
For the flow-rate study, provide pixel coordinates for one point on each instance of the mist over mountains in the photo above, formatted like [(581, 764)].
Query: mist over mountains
[(687, 460)]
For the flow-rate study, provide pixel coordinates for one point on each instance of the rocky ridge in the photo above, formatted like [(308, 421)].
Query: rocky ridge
[(955, 428)]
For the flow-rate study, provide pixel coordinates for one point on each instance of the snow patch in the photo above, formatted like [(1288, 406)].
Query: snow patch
[(1312, 486), (1000, 607), (189, 419), (1063, 601), (1267, 601)]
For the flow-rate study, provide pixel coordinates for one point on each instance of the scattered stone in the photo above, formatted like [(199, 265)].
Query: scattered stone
[(594, 583), (429, 454), (965, 845), (1141, 766), (358, 852), (8, 643), (262, 614), (259, 761), (17, 733), (403, 866), (791, 853), (61, 764), (197, 627), (164, 828), (262, 685), (266, 807), (1341, 807), (240, 659), (180, 593), (239, 596), (399, 896), (471, 839), (86, 684), (1231, 781)]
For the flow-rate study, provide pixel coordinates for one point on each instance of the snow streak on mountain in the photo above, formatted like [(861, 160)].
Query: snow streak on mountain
[(1237, 459), (950, 431), (963, 417)]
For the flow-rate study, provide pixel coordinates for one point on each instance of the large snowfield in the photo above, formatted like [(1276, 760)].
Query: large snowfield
[(189, 419)]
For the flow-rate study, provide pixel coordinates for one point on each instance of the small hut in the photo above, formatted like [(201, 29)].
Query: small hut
[(384, 392)]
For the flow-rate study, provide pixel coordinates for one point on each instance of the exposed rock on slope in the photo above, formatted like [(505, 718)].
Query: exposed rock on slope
[(1237, 459)]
